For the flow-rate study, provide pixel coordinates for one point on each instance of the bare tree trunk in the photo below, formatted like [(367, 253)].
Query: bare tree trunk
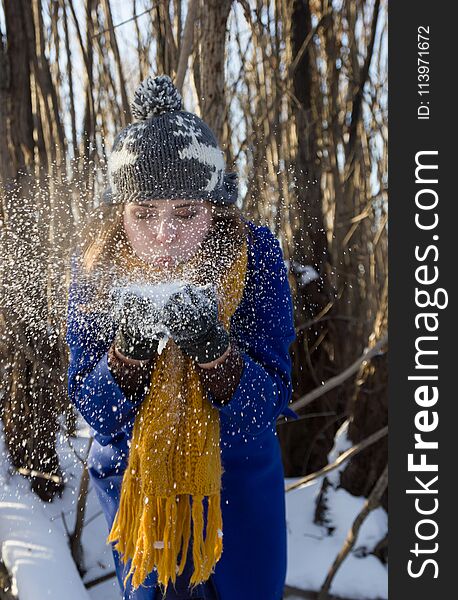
[(6, 172), (70, 84), (142, 66), (30, 387), (85, 184), (186, 43), (48, 90), (21, 118), (368, 408), (310, 248), (213, 20), (167, 53), (125, 115)]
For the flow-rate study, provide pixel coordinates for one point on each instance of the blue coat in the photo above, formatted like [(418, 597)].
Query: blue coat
[(253, 563)]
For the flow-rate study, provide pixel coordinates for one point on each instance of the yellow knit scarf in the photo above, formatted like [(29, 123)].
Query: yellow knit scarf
[(174, 452)]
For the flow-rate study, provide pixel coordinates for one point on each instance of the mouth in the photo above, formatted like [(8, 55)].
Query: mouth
[(164, 260)]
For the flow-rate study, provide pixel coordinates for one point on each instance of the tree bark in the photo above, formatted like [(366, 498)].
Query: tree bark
[(29, 381), (310, 248), (213, 21), (125, 115)]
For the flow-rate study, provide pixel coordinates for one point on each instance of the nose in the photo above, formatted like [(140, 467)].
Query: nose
[(166, 231)]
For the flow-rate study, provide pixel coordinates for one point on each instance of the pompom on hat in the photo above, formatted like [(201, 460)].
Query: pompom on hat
[(167, 153)]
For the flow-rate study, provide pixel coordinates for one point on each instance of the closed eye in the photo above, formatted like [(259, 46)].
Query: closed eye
[(142, 216), (188, 216)]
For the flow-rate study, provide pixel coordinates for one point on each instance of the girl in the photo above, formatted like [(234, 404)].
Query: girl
[(179, 326)]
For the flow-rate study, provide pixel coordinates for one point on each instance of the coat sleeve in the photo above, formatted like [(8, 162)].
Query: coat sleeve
[(264, 331), (91, 386)]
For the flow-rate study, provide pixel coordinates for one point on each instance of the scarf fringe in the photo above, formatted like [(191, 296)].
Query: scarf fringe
[(156, 542)]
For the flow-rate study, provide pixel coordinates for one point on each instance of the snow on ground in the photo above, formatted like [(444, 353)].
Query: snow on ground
[(311, 551), (34, 547), (33, 539)]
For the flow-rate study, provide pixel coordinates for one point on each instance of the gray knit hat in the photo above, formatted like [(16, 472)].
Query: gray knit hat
[(167, 153)]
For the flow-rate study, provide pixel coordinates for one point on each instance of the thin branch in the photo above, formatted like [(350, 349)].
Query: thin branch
[(371, 503), (100, 579), (34, 473), (339, 379), (123, 22), (187, 43), (307, 41), (353, 451)]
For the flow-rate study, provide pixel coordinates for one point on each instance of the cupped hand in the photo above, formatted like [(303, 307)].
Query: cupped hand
[(191, 316)]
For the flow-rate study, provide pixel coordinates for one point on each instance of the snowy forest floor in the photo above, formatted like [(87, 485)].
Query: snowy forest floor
[(34, 549)]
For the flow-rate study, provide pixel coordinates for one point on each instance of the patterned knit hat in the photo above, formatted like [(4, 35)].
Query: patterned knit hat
[(167, 153)]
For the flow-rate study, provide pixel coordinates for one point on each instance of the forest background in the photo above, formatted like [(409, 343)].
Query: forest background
[(296, 92)]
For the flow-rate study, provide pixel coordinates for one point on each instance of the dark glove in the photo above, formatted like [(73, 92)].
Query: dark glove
[(191, 316), (137, 317), (135, 346)]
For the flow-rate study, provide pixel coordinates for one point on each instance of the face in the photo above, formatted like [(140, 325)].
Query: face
[(165, 232)]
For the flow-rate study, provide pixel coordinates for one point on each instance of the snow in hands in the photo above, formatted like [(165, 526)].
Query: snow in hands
[(143, 304)]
